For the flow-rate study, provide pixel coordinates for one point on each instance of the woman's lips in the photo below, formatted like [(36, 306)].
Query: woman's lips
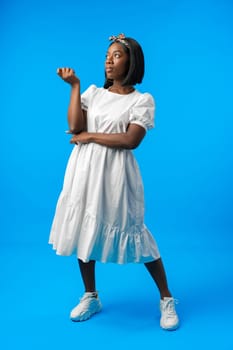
[(109, 69)]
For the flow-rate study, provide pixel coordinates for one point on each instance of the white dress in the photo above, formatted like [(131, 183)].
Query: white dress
[(100, 211)]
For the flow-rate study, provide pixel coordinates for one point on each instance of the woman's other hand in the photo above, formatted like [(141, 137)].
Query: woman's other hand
[(68, 75), (82, 137)]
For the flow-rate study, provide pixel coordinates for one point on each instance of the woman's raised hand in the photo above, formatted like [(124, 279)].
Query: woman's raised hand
[(68, 75)]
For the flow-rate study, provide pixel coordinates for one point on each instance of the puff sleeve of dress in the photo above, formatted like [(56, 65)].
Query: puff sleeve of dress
[(87, 96), (142, 113)]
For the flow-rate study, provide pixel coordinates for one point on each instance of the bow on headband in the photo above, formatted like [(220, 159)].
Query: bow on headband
[(119, 38)]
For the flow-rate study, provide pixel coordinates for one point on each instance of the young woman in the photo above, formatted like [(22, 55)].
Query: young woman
[(100, 211)]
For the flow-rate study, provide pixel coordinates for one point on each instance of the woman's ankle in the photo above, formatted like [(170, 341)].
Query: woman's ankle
[(165, 294)]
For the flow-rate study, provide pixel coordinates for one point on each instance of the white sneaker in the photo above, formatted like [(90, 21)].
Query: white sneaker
[(88, 306), (169, 319)]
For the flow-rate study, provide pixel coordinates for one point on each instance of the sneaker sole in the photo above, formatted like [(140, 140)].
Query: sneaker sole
[(170, 328), (85, 317)]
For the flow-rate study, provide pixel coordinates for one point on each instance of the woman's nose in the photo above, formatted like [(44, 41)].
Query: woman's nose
[(109, 59)]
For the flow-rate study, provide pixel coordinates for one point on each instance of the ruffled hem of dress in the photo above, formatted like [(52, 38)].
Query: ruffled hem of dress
[(105, 243)]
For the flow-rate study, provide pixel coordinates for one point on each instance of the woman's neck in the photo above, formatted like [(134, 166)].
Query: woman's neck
[(122, 90)]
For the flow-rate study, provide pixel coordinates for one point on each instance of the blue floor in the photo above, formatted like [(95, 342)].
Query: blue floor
[(39, 289)]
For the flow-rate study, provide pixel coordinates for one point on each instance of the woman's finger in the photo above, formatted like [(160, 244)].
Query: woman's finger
[(66, 70)]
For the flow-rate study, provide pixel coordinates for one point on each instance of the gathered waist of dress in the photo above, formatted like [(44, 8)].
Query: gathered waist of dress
[(95, 146)]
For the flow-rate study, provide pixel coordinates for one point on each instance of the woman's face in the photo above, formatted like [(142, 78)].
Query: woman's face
[(116, 63)]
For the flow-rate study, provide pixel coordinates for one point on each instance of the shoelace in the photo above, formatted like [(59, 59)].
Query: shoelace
[(169, 307), (85, 301)]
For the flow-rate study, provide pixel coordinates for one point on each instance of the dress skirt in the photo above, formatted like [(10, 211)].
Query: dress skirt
[(100, 211)]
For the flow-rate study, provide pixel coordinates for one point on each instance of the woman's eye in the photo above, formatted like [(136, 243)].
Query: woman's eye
[(116, 55)]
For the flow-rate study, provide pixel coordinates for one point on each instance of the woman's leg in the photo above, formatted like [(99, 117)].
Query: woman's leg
[(169, 319), (87, 271), (89, 304), (157, 272)]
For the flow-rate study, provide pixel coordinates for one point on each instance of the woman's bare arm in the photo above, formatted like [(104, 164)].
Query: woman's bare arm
[(128, 140), (76, 116)]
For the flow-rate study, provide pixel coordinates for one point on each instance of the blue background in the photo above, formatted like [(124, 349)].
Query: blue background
[(186, 164)]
